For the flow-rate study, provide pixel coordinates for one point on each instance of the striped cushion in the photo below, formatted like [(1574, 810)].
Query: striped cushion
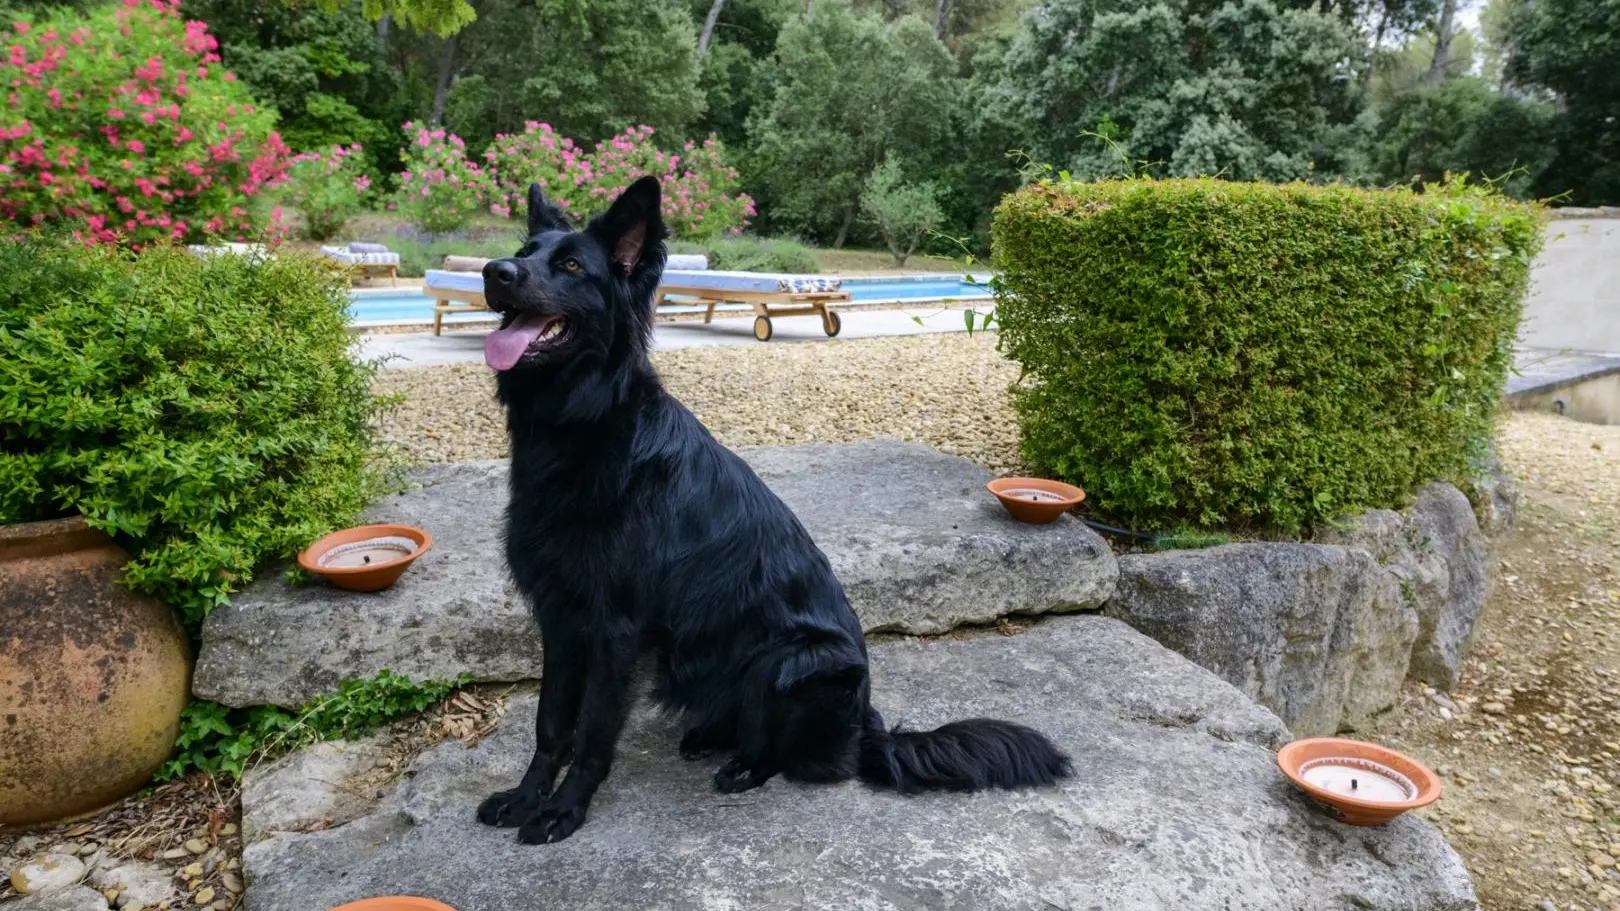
[(360, 259), (367, 248), (256, 251), (756, 282)]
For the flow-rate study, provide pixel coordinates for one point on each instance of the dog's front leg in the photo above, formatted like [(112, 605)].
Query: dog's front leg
[(562, 682), (601, 718)]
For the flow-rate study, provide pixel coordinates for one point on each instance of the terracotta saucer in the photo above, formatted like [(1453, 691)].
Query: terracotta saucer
[(343, 561), (1035, 500), (1421, 786)]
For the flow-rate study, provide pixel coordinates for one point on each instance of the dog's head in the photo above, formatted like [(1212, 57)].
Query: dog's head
[(568, 296)]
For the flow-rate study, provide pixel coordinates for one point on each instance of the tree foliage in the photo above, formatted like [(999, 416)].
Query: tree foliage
[(1572, 48), (849, 88), (904, 212)]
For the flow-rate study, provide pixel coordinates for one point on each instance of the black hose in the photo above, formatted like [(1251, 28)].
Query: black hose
[(1120, 532)]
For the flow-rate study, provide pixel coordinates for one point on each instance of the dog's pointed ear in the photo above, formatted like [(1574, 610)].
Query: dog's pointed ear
[(543, 216), (632, 228)]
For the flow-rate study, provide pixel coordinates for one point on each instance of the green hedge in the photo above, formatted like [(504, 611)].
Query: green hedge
[(208, 412), (1257, 356)]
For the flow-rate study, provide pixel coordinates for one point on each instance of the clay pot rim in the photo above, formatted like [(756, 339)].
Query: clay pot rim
[(49, 537), (1071, 494), (307, 556), (395, 903), (1290, 758)]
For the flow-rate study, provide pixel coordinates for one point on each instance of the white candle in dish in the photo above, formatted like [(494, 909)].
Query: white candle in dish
[(1362, 779)]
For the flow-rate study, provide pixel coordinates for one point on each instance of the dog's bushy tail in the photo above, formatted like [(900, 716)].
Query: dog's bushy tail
[(970, 755)]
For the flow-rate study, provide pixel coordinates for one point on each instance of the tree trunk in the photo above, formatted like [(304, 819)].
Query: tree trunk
[(843, 229), (708, 27), (942, 11), (447, 75), (1442, 42), (1377, 44), (382, 30)]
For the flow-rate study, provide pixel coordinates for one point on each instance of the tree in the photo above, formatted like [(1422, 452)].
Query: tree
[(1241, 89), (443, 17), (590, 68), (904, 213), (1463, 125), (849, 88), (1572, 47)]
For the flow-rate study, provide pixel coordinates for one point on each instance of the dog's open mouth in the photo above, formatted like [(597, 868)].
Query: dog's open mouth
[(523, 336)]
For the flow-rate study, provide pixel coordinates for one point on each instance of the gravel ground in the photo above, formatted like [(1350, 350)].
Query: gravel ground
[(1529, 742), (945, 390)]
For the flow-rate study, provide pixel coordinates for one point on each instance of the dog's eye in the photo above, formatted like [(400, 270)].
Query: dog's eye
[(572, 264)]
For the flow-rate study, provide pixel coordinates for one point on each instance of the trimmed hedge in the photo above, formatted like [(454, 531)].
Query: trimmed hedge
[(1260, 356), (207, 412)]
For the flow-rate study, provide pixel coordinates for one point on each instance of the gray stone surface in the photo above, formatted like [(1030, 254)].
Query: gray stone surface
[(454, 610), (139, 885), (1319, 634), (1176, 804), (1436, 552), (47, 873), (72, 898), (317, 787), (919, 544)]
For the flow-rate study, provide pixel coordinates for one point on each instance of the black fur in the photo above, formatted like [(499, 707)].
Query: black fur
[(632, 531)]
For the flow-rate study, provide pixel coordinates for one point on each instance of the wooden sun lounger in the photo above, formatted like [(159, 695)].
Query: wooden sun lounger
[(458, 288), (769, 294)]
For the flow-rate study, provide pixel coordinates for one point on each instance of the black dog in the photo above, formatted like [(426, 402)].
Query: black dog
[(632, 531)]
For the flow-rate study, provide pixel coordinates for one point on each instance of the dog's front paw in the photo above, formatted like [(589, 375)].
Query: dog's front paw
[(734, 777), (552, 824), (506, 809)]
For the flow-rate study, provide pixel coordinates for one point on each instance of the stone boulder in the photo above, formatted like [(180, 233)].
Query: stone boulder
[(1318, 634), (919, 544), (1176, 803), (1437, 554)]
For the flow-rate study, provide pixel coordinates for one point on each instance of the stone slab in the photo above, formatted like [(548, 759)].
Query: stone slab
[(1176, 804), (919, 544)]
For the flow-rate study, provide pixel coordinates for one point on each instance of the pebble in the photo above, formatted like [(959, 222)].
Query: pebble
[(174, 854), (191, 870), (47, 872), (1493, 708), (228, 829), (196, 846), (232, 882), (205, 896)]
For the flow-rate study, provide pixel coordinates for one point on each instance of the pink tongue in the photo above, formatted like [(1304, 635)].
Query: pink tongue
[(503, 348)]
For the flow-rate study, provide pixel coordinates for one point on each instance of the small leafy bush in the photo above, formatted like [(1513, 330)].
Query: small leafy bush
[(327, 189), (904, 213), (755, 254), (700, 191), (123, 127), (218, 739), (441, 188), (1215, 354), (207, 412)]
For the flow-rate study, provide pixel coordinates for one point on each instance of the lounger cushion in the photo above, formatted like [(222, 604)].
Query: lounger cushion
[(464, 263), (350, 258), (367, 248), (256, 251), (455, 281), (757, 282), (686, 262)]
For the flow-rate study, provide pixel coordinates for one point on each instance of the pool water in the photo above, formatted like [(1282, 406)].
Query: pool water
[(381, 307)]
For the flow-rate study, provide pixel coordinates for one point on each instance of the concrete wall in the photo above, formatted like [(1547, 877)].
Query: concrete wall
[(1574, 300)]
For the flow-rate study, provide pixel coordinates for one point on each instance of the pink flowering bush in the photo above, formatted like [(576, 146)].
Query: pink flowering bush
[(327, 189), (442, 189), (700, 190), (121, 126)]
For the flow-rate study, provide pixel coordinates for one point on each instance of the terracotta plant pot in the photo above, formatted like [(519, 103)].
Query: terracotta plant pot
[(1035, 500), (1390, 783), (92, 675), (395, 903), (366, 558)]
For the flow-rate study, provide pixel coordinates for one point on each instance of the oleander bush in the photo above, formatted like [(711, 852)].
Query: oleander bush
[(1244, 355)]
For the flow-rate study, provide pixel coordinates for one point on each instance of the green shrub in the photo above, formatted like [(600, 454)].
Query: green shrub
[(206, 412), (1254, 355), (754, 254)]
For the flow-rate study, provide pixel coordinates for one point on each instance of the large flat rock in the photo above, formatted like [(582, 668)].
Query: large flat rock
[(1176, 804), (919, 544)]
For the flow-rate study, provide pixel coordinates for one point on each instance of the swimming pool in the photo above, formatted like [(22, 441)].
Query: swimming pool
[(387, 306)]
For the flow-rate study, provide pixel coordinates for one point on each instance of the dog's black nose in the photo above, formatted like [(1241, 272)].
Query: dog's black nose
[(501, 273)]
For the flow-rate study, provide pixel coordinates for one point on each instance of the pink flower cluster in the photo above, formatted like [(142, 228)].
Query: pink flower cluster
[(441, 188), (327, 189), (114, 126), (699, 189)]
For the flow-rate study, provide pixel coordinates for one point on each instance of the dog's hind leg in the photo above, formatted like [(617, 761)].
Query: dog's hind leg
[(562, 683), (609, 672), (708, 737)]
